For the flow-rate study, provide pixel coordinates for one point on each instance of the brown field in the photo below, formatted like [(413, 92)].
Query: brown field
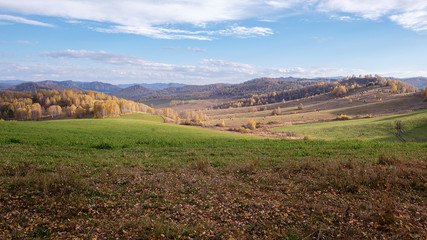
[(374, 100)]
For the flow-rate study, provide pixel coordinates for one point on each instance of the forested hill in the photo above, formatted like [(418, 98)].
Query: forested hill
[(337, 89), (219, 90), (53, 104), (61, 85)]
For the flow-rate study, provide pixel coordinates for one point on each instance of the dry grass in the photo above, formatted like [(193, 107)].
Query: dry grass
[(298, 199)]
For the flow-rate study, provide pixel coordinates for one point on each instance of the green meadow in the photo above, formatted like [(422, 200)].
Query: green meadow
[(414, 128), (143, 140)]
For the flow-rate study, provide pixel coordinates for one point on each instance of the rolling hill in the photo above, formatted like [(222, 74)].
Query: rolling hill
[(133, 92), (154, 86), (82, 86), (419, 82), (33, 86), (4, 86)]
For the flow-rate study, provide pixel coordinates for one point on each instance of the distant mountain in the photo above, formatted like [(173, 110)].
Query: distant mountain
[(219, 90), (133, 92), (154, 86), (32, 86), (4, 86), (419, 82), (82, 86), (11, 82)]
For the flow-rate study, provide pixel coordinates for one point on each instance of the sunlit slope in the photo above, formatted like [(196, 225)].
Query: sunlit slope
[(381, 128)]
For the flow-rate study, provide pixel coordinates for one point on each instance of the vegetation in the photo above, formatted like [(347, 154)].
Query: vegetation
[(344, 117), (128, 177), (66, 103), (337, 89), (381, 128)]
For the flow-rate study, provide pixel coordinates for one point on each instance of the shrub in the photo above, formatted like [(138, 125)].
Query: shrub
[(290, 134), (276, 111), (307, 137), (222, 124), (251, 124), (300, 106), (1, 119), (246, 130), (343, 117), (368, 116)]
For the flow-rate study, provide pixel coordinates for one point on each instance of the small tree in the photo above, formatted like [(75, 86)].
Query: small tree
[(300, 106), (222, 124), (251, 124), (276, 111)]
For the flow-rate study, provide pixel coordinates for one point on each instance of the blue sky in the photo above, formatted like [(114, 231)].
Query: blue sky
[(203, 42)]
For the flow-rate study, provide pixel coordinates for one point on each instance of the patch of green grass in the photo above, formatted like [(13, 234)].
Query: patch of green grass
[(142, 116), (379, 129), (148, 144)]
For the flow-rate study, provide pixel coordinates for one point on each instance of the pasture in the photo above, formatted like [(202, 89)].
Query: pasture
[(136, 177)]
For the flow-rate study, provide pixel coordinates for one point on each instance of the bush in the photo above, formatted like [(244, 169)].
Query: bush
[(343, 117), (252, 124), (300, 106), (276, 111), (222, 124), (307, 137), (368, 116)]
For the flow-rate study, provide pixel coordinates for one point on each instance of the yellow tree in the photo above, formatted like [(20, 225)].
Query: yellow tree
[(54, 111), (36, 111)]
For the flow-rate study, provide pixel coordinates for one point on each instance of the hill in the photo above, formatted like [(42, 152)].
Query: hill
[(153, 86), (4, 86), (419, 82), (82, 86), (225, 91), (33, 86), (133, 92), (414, 127), (12, 82)]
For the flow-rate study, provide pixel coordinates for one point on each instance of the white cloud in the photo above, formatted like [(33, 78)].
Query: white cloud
[(411, 14), (196, 49), (119, 68), (415, 20), (201, 20), (154, 19), (23, 42), (24, 21), (170, 33)]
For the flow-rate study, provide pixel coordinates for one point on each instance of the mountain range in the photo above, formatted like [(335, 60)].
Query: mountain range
[(144, 92)]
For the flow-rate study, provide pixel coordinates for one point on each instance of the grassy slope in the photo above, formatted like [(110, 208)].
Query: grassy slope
[(134, 178), (154, 144), (381, 128)]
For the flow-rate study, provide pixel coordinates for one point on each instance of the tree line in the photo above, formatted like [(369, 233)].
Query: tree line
[(51, 104)]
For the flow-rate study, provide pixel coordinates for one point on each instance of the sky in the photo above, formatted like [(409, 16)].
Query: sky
[(210, 41)]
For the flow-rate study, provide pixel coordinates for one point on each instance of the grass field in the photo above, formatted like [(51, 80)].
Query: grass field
[(381, 128), (136, 177)]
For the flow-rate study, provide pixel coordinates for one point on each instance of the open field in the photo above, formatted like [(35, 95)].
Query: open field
[(320, 108), (414, 126), (132, 178)]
